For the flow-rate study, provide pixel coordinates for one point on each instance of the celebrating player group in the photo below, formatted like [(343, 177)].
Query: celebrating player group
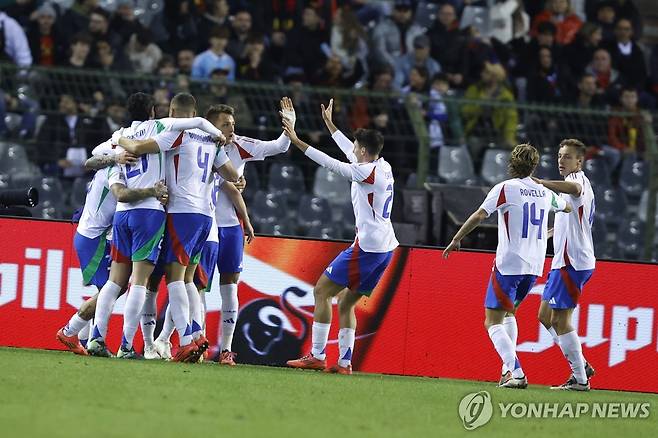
[(166, 201)]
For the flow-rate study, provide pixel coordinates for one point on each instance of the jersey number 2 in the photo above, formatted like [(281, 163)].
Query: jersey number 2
[(387, 204)]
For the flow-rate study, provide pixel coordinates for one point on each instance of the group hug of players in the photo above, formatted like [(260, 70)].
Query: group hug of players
[(166, 201)]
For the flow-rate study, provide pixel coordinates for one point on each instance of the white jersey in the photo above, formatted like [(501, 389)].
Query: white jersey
[(523, 207), (149, 169), (189, 160), (100, 205), (572, 233), (240, 151), (372, 195)]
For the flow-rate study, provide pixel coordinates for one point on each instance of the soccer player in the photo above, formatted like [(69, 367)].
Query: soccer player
[(357, 270), (240, 150), (574, 261), (138, 227), (92, 238), (205, 270), (190, 159), (523, 207)]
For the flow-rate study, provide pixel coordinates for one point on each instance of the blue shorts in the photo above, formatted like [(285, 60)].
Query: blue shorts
[(231, 247), (94, 256), (206, 267), (564, 287), (507, 291), (137, 235), (358, 270), (186, 234)]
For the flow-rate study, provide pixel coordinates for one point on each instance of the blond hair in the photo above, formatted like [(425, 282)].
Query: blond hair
[(523, 161)]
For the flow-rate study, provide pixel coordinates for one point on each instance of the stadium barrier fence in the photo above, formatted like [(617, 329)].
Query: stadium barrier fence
[(424, 319), (415, 126)]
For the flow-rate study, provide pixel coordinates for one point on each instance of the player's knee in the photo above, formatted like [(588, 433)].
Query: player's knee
[(556, 320), (345, 305)]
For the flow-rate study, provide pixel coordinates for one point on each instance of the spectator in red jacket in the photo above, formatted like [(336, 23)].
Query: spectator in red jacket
[(560, 13)]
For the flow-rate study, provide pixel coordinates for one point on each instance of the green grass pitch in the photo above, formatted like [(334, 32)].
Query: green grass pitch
[(57, 394)]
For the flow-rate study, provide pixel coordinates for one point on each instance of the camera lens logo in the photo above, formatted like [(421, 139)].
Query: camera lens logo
[(475, 409)]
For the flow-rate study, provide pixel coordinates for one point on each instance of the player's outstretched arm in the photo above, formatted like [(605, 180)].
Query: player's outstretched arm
[(568, 187), (319, 157), (241, 208), (471, 223), (182, 124), (124, 194), (103, 161), (339, 138)]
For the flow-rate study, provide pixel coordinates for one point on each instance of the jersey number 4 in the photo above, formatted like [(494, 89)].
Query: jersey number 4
[(530, 218)]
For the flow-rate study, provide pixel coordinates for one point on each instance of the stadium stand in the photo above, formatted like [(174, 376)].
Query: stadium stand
[(535, 82)]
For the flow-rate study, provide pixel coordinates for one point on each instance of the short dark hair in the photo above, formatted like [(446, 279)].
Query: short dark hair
[(215, 110), (371, 139), (184, 101), (102, 12), (441, 76), (140, 106), (220, 32), (81, 37), (523, 161), (627, 89), (546, 27), (576, 144)]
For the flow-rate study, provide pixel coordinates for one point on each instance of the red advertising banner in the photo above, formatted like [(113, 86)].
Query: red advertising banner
[(425, 318)]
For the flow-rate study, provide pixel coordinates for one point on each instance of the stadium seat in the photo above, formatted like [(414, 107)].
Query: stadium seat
[(456, 166), (283, 228), (334, 188), (633, 178), (494, 166), (630, 238), (643, 206), (598, 173), (268, 208), (14, 160), (253, 182), (13, 121), (405, 233), (599, 237), (313, 211), (79, 192), (348, 220), (286, 178), (610, 202), (547, 167), (326, 231), (4, 181), (50, 189)]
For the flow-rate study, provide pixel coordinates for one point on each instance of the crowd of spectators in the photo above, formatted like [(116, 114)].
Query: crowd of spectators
[(581, 53)]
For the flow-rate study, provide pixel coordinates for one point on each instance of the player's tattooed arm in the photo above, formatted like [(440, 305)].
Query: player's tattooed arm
[(569, 187), (124, 194), (471, 223), (103, 161)]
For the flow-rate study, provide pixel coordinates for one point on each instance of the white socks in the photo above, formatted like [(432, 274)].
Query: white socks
[(104, 305), (75, 325), (132, 313), (203, 312), (167, 327), (195, 309), (573, 352), (180, 311), (229, 316), (85, 333), (512, 330), (345, 345), (319, 334), (505, 349), (147, 321), (556, 338)]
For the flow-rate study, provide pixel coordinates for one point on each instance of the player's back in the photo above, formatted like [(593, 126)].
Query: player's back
[(572, 237), (523, 208), (149, 168), (100, 205), (372, 199), (189, 173)]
